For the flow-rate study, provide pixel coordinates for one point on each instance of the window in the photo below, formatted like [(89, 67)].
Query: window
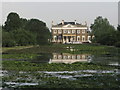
[(83, 31), (59, 31), (89, 37), (55, 56), (78, 31), (69, 57), (73, 31), (69, 31), (73, 57), (65, 31), (55, 31), (83, 38), (78, 38), (78, 56), (55, 38), (65, 56), (83, 56), (59, 56)]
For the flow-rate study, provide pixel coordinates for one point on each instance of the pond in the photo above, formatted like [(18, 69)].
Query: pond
[(68, 58), (61, 70)]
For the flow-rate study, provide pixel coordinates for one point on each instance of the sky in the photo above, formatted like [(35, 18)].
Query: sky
[(67, 11)]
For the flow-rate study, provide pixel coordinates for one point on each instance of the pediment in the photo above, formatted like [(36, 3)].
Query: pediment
[(68, 25)]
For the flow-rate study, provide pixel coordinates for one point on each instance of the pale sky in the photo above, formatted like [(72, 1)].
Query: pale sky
[(67, 11)]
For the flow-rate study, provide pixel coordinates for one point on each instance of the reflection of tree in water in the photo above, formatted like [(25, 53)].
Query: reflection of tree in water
[(42, 58)]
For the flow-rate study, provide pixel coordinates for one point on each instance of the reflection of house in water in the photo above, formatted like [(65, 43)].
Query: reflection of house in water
[(69, 58)]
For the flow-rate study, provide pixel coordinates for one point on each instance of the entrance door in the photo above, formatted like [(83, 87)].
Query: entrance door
[(69, 37)]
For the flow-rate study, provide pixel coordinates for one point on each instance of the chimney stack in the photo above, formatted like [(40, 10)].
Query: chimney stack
[(52, 23), (62, 22), (85, 23), (75, 22)]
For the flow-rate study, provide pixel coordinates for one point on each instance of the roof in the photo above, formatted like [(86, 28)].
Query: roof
[(71, 23)]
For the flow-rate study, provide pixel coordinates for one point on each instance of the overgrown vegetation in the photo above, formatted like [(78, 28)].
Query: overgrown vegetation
[(27, 66)]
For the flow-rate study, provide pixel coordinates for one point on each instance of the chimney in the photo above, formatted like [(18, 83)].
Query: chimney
[(62, 22), (52, 23), (85, 23), (75, 22)]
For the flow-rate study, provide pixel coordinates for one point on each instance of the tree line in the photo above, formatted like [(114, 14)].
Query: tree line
[(105, 34), (20, 32)]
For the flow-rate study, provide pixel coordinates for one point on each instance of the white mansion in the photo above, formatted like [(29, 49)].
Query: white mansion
[(70, 32)]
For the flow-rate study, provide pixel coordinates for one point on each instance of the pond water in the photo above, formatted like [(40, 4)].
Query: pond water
[(66, 79), (104, 59)]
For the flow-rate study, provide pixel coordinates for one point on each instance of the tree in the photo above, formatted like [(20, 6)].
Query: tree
[(20, 31), (24, 22), (38, 27), (104, 32), (117, 44), (118, 28), (8, 39), (13, 22), (23, 37)]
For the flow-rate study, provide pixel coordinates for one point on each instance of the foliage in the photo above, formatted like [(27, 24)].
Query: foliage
[(104, 32), (8, 39), (23, 37), (39, 27), (17, 37), (117, 44), (25, 32), (13, 22)]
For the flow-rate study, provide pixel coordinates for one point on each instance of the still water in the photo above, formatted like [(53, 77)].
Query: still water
[(104, 59), (103, 78)]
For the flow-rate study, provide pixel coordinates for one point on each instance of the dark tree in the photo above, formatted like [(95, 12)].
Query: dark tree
[(117, 44), (13, 22), (38, 27), (24, 37), (24, 22), (118, 28), (20, 31)]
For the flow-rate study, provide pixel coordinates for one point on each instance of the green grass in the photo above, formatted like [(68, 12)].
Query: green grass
[(63, 48), (19, 56)]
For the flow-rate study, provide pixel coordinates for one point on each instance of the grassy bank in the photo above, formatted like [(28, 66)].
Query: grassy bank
[(31, 52), (59, 48)]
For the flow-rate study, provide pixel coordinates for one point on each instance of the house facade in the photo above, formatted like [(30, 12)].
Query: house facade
[(70, 32)]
